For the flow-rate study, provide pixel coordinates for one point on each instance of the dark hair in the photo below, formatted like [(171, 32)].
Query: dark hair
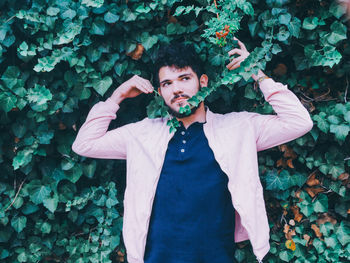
[(178, 55)]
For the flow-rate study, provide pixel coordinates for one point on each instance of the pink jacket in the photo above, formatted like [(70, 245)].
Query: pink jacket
[(235, 139)]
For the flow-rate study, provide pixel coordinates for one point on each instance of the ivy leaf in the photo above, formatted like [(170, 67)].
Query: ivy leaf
[(52, 11), (321, 204), (93, 3), (110, 18), (284, 19), (39, 95), (51, 203), (310, 23), (294, 27), (331, 241), (340, 131), (22, 158), (343, 233), (148, 41), (101, 86), (98, 27), (38, 192), (338, 33), (275, 181), (69, 13), (19, 223), (322, 124), (7, 101), (10, 76)]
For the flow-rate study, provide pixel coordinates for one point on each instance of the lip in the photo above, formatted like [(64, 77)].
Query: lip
[(180, 99)]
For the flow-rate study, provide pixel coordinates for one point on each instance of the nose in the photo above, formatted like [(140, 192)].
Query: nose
[(177, 87)]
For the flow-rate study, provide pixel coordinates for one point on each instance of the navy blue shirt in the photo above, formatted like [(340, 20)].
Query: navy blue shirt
[(192, 218)]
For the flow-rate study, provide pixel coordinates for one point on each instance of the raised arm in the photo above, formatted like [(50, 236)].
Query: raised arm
[(292, 119), (93, 139)]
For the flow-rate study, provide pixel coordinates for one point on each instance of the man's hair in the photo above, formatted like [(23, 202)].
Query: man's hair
[(178, 55)]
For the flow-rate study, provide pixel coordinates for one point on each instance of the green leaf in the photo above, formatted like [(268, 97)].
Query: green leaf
[(19, 223), (101, 86), (321, 203), (343, 233), (319, 245), (331, 241), (275, 181), (22, 158), (93, 3), (98, 27), (338, 33), (322, 124), (39, 95), (294, 27), (69, 13), (340, 131), (286, 255), (310, 23), (148, 41), (284, 19), (111, 18), (11, 76), (7, 101), (336, 9), (52, 11), (38, 192), (51, 203)]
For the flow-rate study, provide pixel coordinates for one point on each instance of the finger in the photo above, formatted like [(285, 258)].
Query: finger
[(140, 86), (241, 45), (146, 84), (235, 51), (234, 64)]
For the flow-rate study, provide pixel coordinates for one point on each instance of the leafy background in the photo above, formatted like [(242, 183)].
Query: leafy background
[(60, 57)]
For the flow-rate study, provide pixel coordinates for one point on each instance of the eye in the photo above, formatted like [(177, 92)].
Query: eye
[(165, 84), (185, 78)]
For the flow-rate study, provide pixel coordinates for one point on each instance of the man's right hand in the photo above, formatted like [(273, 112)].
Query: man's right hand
[(132, 88)]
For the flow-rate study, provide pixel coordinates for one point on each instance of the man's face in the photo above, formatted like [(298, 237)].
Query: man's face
[(177, 86)]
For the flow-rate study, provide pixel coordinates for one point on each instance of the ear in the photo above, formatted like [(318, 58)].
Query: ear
[(159, 91), (203, 81)]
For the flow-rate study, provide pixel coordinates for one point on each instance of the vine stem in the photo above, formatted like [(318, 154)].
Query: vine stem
[(14, 200), (346, 89), (216, 5)]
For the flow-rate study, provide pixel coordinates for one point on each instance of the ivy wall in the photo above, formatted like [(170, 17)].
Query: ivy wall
[(59, 57)]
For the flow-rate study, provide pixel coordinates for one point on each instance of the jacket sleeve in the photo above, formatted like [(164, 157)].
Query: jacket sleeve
[(292, 119), (93, 139)]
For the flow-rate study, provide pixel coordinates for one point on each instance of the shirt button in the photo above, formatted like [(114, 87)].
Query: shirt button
[(184, 141), (182, 150), (183, 133)]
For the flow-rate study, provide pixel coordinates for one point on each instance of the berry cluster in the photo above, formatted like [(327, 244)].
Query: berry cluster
[(222, 34)]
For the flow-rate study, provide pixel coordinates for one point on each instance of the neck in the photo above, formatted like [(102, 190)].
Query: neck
[(198, 116)]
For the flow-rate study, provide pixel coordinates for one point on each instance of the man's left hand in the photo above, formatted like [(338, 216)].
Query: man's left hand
[(242, 52)]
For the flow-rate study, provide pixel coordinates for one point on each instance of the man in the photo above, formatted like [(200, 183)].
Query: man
[(190, 195)]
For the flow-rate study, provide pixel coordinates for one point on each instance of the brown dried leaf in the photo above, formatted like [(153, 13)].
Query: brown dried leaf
[(325, 217), (136, 54), (312, 181), (307, 238), (279, 162), (286, 228), (312, 191), (297, 215), (317, 231), (290, 163), (343, 176), (280, 70)]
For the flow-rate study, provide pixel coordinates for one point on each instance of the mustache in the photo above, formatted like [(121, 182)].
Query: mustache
[(179, 96)]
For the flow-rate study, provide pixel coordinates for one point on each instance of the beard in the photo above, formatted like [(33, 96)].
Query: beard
[(183, 115)]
